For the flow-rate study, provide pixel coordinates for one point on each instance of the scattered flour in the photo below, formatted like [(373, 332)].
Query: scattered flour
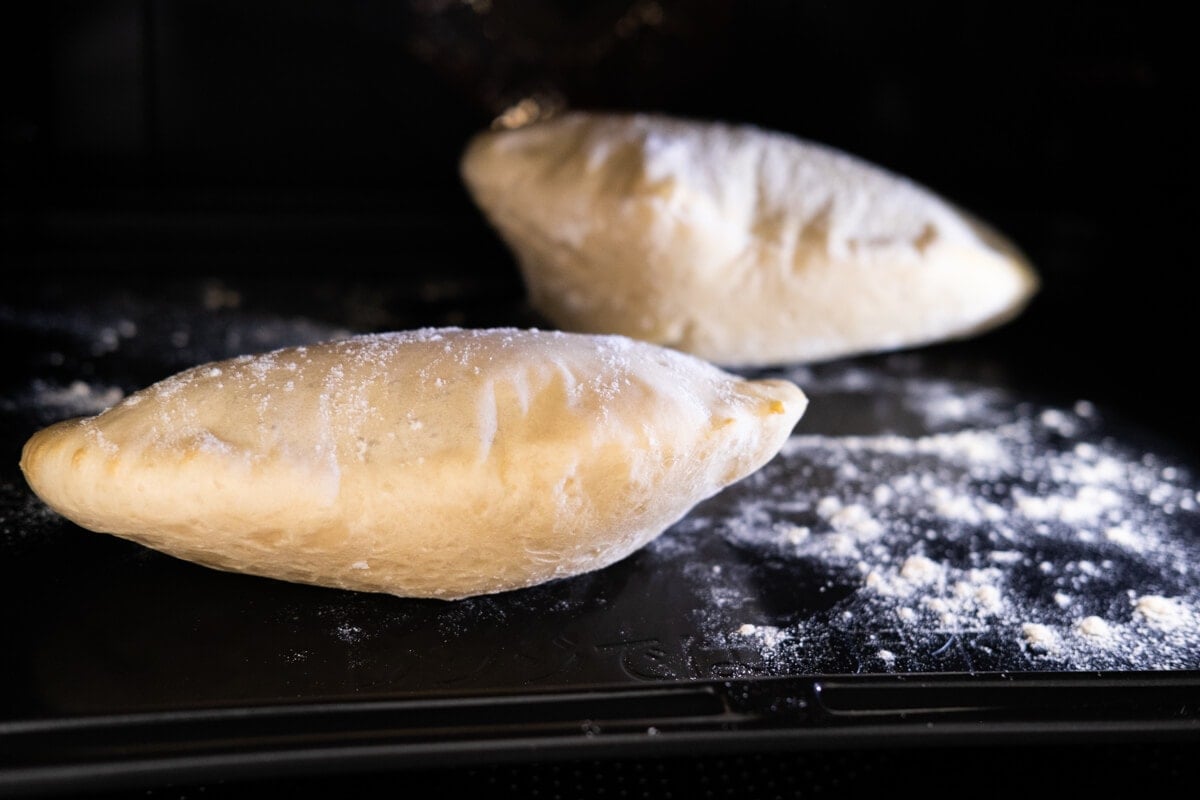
[(992, 527), (767, 635), (1095, 629), (1040, 638), (1164, 613), (986, 531), (348, 633), (51, 402)]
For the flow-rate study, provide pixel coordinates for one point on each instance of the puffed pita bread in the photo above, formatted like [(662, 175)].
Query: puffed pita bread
[(742, 246), (435, 463)]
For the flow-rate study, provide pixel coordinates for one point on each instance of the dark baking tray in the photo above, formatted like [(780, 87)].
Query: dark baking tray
[(127, 668)]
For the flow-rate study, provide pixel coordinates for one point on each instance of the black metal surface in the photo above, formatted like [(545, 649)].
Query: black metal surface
[(1038, 770), (131, 666), (766, 716)]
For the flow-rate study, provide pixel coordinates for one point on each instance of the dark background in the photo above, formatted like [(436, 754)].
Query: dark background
[(269, 138), (145, 143), (265, 139)]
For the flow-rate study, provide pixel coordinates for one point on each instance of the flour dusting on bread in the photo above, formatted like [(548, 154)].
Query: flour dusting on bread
[(432, 463)]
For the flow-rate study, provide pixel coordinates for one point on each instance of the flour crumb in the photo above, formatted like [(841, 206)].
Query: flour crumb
[(854, 520), (796, 534), (921, 570), (1163, 613), (1039, 638), (767, 635), (1095, 629)]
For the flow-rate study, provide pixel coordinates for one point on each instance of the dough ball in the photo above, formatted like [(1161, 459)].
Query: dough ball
[(434, 463), (742, 246)]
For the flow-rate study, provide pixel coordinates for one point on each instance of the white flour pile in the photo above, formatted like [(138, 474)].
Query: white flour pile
[(1002, 527)]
